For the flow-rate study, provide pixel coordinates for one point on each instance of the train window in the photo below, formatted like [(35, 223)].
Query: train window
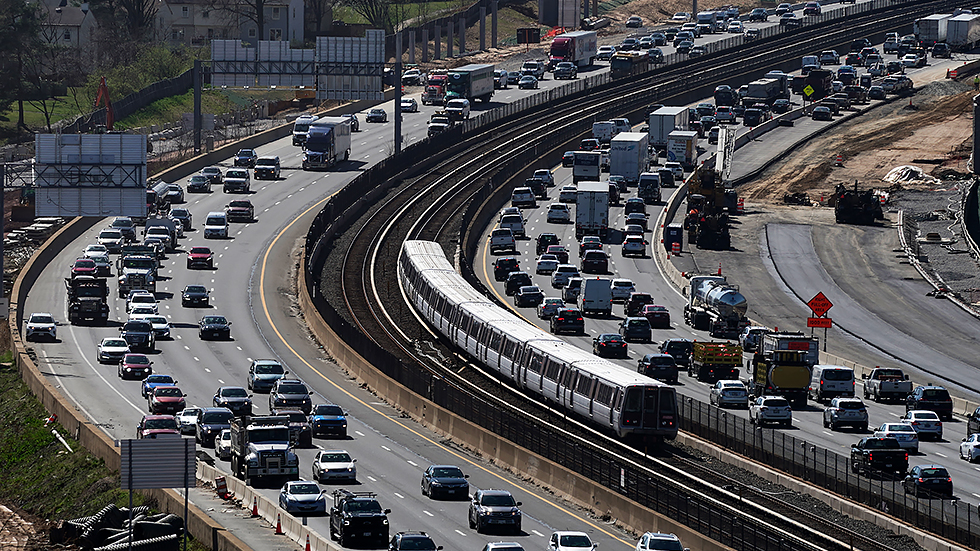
[(566, 381), (552, 369), (509, 348), (668, 402), (534, 364), (604, 394), (651, 402), (583, 386), (465, 323), (632, 405), (426, 294), (494, 340), (618, 400)]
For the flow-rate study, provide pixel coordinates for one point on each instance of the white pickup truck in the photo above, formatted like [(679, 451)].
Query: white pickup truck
[(886, 384)]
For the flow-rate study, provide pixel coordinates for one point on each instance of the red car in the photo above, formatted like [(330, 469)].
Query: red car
[(84, 267), (135, 366), (240, 209), (559, 251), (200, 256), (658, 316), (165, 399), (154, 426)]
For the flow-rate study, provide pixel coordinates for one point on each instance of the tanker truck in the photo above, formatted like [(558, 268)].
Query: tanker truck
[(715, 306)]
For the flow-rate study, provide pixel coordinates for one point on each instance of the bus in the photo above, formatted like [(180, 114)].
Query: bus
[(624, 64)]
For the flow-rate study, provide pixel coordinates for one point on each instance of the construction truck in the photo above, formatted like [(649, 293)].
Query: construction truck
[(136, 272), (785, 340), (714, 361), (87, 299), (707, 220), (780, 373), (856, 207), (261, 449), (716, 306)]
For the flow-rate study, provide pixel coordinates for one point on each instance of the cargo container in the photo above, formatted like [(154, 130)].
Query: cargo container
[(665, 120), (592, 209), (471, 82), (577, 47), (628, 155), (585, 166), (963, 32), (931, 29)]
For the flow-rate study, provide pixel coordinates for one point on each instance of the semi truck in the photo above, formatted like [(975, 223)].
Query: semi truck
[(327, 143), (963, 32), (716, 306), (301, 126), (714, 361), (780, 373), (931, 29), (592, 209), (136, 272), (87, 299), (578, 47), (586, 166), (435, 87), (629, 155), (471, 82), (665, 120), (261, 449)]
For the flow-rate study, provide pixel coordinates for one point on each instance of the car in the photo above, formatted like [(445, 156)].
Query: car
[(781, 106), (40, 325), (303, 496), (235, 398), (165, 400), (621, 289), (222, 445), (197, 295), (199, 183), (932, 398), (246, 158), (637, 219), (200, 257), (213, 175), (629, 44), (494, 508), (845, 411), (784, 8), (759, 14), (502, 239), (262, 375), (83, 267), (656, 541), (602, 54), (377, 115), (528, 295), (559, 251), (842, 99), (895, 68), (111, 239), (570, 541), (931, 480), (926, 424), (112, 350), (328, 419), (657, 315), (94, 250), (412, 541), (789, 19), (876, 93), (156, 426), (514, 282), (139, 335), (160, 325), (691, 27), (697, 51), (684, 47), (290, 393), (240, 209), (503, 266), (214, 327), (970, 448), (907, 438), (568, 159), (527, 82), (634, 245), (562, 274), (409, 105), (610, 345), (446, 481), (546, 264), (513, 77), (126, 225), (267, 168), (183, 217), (736, 27), (568, 194), (822, 113), (548, 307), (134, 366), (153, 381), (565, 70), (941, 49), (175, 193), (752, 33), (635, 329), (595, 262), (811, 8), (855, 59), (209, 424), (568, 320), (300, 430), (829, 57), (913, 60), (634, 21), (186, 419), (500, 80), (771, 409), (680, 17), (330, 465), (727, 392)]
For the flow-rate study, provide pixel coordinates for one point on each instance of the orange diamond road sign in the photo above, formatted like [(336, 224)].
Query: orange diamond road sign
[(819, 304), (826, 323)]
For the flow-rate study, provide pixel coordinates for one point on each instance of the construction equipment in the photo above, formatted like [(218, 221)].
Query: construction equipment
[(780, 373), (856, 207), (707, 220), (713, 361), (261, 448)]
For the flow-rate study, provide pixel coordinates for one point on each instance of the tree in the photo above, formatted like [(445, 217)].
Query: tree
[(377, 12), (318, 12), (250, 10), (134, 17), (20, 23)]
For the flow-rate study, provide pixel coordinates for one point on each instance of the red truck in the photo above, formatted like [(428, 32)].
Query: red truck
[(435, 88)]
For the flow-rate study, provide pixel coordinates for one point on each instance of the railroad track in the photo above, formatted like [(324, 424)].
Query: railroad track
[(429, 205)]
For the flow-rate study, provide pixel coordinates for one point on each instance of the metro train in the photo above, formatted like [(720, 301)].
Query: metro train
[(608, 395)]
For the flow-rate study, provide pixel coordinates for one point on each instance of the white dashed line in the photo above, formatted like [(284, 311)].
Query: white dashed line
[(372, 479), (220, 381), (460, 533), (186, 347), (359, 433), (386, 448), (196, 359), (412, 463), (536, 533), (428, 513), (206, 370), (399, 496)]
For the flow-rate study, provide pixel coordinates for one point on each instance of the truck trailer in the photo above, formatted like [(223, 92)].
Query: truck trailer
[(578, 47), (716, 306), (665, 120), (592, 209), (764, 90), (586, 166), (682, 147), (629, 155), (963, 32), (471, 82), (931, 29), (327, 143)]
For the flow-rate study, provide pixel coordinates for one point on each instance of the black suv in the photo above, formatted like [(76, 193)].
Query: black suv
[(412, 541), (658, 366), (595, 262), (494, 508), (291, 393), (931, 398), (139, 335), (544, 240), (357, 515), (246, 157), (300, 430), (210, 423), (568, 320), (445, 480), (235, 398), (680, 349), (516, 280), (503, 266), (634, 305)]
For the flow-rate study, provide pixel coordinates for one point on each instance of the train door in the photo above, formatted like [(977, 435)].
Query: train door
[(615, 407), (651, 407)]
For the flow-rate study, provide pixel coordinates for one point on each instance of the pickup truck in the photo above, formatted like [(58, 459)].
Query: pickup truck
[(886, 383), (878, 455)]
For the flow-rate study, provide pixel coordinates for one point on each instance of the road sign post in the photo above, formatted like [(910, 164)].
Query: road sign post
[(820, 305)]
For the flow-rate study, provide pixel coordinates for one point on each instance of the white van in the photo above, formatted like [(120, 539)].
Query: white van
[(596, 296), (216, 226), (831, 381)]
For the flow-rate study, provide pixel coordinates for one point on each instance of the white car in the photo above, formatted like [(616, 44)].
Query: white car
[(926, 423), (729, 393), (222, 445), (605, 52), (655, 541), (506, 211), (677, 169), (334, 465), (546, 265), (409, 105), (771, 409), (142, 298), (95, 250), (736, 27), (634, 245), (561, 275), (970, 448), (907, 438), (549, 306), (40, 325), (546, 175), (568, 194), (112, 349), (161, 327), (187, 420), (142, 312), (570, 541), (621, 289), (558, 212), (681, 17)]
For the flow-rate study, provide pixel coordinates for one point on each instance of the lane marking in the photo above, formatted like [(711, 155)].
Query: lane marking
[(399, 496)]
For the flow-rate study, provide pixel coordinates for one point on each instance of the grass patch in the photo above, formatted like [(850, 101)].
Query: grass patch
[(402, 12), (216, 102)]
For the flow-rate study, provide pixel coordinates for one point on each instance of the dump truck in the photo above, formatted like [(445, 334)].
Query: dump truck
[(327, 143), (472, 82), (780, 373), (578, 47), (716, 306), (629, 155), (884, 383), (87, 299), (261, 449), (786, 340), (714, 361), (852, 206), (136, 272)]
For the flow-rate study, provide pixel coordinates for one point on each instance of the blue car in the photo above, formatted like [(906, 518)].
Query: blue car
[(153, 381), (328, 419)]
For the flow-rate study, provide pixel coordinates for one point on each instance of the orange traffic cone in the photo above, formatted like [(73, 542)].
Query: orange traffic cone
[(719, 268), (255, 506), (307, 542), (279, 531)]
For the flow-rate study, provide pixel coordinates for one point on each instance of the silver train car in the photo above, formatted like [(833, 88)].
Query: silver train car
[(608, 395)]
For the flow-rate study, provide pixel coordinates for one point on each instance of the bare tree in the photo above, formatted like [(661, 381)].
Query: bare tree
[(139, 16), (377, 12), (318, 12), (250, 10)]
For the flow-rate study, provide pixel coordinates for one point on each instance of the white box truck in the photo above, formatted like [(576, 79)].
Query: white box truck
[(682, 147), (963, 32), (665, 120), (628, 155), (592, 209), (596, 297), (586, 166), (578, 47), (932, 29)]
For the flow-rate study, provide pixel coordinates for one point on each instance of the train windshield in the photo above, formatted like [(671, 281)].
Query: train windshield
[(648, 407)]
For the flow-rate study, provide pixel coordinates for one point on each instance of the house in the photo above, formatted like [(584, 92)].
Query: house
[(197, 22), (69, 26)]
